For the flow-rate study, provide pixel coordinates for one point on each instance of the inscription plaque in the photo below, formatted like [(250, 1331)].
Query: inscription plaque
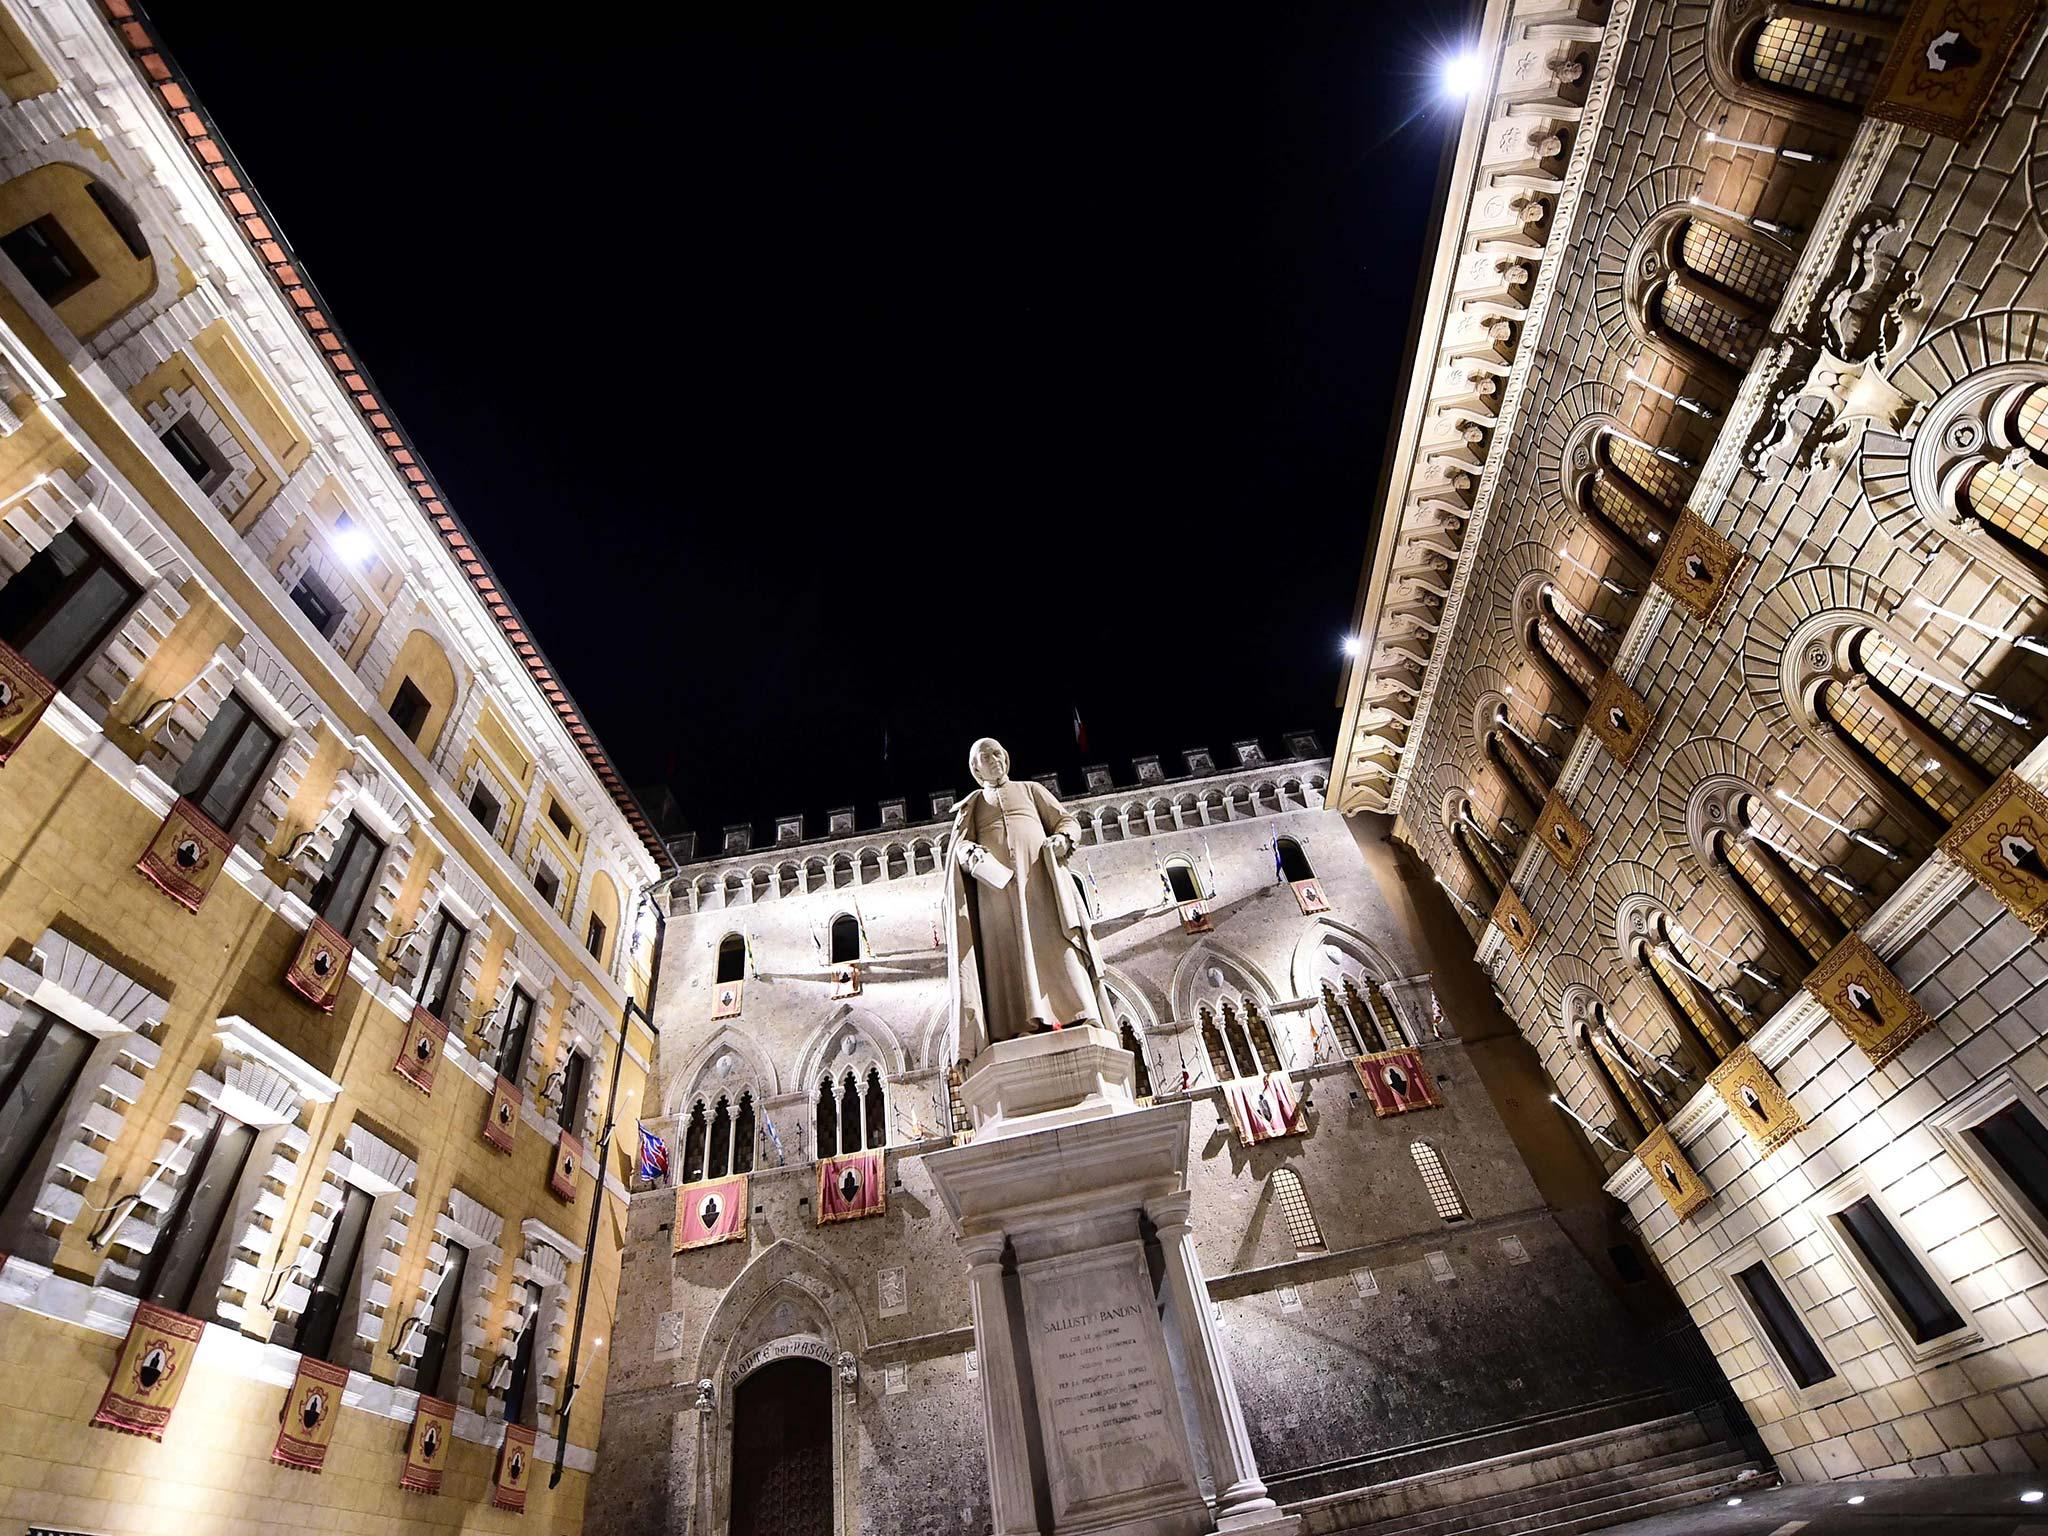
[(1106, 1403)]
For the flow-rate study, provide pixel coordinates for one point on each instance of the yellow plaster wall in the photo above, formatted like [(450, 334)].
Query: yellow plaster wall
[(121, 282), (23, 74)]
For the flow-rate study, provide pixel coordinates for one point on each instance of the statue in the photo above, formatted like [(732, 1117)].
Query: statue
[(1020, 955)]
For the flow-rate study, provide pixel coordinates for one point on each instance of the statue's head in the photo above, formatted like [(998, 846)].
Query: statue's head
[(988, 762)]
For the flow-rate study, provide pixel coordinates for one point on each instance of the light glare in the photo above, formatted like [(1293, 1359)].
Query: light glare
[(2031, 1496), (1352, 645), (1460, 73), (353, 545)]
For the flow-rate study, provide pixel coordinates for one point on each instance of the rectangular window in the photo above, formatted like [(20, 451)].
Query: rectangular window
[(184, 440), (316, 600), (547, 882), (444, 1323), (320, 1322), (40, 1060), (409, 709), (483, 805), (228, 763), (575, 1073), (2015, 1143), (437, 976), (48, 258), (63, 605), (593, 936), (518, 1391), (518, 1030), (1780, 1320), (192, 1226), (560, 818), (1916, 1299), (339, 895)]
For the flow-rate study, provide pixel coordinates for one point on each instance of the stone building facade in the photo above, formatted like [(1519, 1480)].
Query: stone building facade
[(1697, 656), (266, 632), (1399, 1293)]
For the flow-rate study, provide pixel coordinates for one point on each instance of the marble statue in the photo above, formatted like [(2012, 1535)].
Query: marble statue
[(1020, 955)]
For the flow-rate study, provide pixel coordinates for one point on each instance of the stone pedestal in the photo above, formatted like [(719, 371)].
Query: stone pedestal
[(1072, 1209)]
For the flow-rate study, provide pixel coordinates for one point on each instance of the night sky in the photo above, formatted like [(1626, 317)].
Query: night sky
[(907, 373)]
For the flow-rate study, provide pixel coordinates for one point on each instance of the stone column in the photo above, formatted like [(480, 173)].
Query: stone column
[(1012, 1506), (1240, 1493)]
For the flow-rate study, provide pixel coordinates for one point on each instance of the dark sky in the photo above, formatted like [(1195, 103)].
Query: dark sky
[(934, 372)]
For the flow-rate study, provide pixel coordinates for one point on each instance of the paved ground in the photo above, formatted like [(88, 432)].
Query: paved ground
[(1969, 1506)]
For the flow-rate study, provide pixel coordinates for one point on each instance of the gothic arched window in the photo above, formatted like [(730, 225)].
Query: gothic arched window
[(845, 939), (1633, 491), (1608, 1075), (1759, 857), (1294, 864), (1343, 1027), (1555, 635), (1689, 999), (732, 958), (1292, 1199), (1128, 1036), (695, 1131), (853, 1111)]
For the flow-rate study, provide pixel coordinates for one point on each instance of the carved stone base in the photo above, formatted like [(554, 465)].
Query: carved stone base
[(1063, 1077)]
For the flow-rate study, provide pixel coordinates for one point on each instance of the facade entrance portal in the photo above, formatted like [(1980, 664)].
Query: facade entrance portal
[(782, 1451)]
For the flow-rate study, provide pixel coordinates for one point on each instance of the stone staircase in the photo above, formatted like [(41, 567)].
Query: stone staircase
[(1582, 1484)]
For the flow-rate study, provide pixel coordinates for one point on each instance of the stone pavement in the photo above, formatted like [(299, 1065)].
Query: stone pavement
[(1972, 1506)]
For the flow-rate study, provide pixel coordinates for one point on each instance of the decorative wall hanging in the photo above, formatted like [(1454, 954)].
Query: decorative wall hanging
[(1871, 1004), (850, 1187), (310, 1409), (710, 1211), (562, 1173), (1263, 1108), (1755, 1100), (1397, 1082), (186, 856), (1514, 921), (150, 1372), (2002, 841), (426, 1448), (24, 694), (1674, 1176), (1620, 719), (1947, 61), (1563, 836), (515, 1459), (1697, 567), (501, 1120), (317, 969), (426, 1037)]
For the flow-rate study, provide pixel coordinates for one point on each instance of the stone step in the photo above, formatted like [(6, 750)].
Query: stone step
[(1621, 1500), (1421, 1496), (1501, 1509), (1656, 1503)]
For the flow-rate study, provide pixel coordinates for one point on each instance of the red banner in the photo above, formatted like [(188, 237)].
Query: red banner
[(502, 1118), (1310, 894), (1397, 1082), (711, 1211), (1194, 918), (425, 1038), (24, 694), (426, 1451), (150, 1372), (186, 856), (508, 1481), (725, 1003), (310, 1409), (850, 1187), (1262, 1108), (568, 1159), (322, 961)]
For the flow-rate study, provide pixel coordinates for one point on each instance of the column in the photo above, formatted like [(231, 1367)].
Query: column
[(1239, 1491), (1012, 1506)]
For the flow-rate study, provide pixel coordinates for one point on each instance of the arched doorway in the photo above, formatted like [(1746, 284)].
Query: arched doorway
[(782, 1451)]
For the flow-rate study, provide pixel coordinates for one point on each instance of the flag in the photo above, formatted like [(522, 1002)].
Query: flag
[(310, 1409), (711, 1211), (1310, 894), (1262, 1108), (653, 1156), (425, 1039), (502, 1118), (150, 1372), (850, 1187), (1396, 1082), (317, 969), (726, 1002), (24, 694), (186, 855), (562, 1175), (774, 1139), (433, 1426), (508, 1480), (1080, 730)]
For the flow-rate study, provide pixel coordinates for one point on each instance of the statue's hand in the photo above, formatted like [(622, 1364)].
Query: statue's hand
[(1060, 846)]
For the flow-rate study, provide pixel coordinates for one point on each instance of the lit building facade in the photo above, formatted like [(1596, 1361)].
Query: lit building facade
[(307, 865), (1697, 657), (1404, 1288)]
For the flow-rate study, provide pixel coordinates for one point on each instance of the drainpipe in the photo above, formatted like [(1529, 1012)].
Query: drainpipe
[(604, 1141)]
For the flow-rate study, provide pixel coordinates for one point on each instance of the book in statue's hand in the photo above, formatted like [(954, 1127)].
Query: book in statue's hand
[(985, 866)]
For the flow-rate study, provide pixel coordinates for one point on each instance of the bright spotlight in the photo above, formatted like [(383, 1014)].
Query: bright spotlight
[(1353, 645), (352, 544), (1855, 1498), (1460, 73), (2031, 1496)]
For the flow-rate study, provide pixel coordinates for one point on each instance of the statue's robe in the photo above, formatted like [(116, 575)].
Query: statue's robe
[(1022, 956)]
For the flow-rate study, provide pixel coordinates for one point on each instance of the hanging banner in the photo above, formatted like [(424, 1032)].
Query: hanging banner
[(150, 1372), (186, 856), (316, 971), (1194, 918), (1947, 61), (846, 981), (502, 1118), (24, 694), (850, 1187), (1396, 1082), (726, 1000), (426, 1451), (1262, 1108), (711, 1211), (562, 1175), (508, 1481), (310, 1409), (425, 1038), (1310, 894)]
